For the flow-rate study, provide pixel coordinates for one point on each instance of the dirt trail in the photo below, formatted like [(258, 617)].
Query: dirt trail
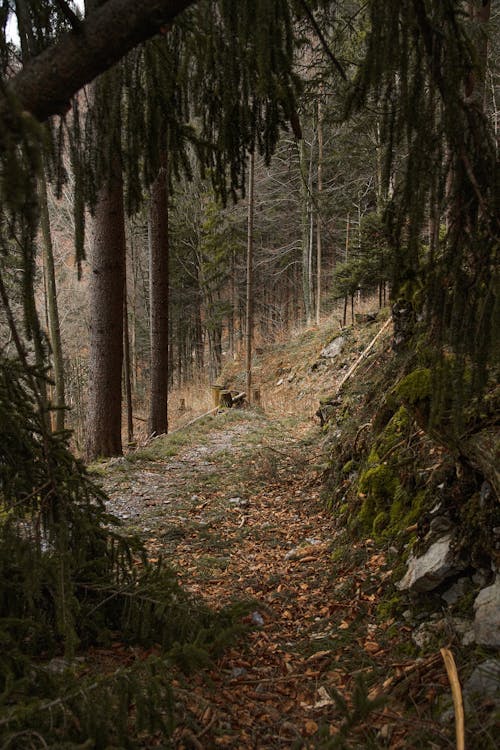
[(234, 504), (239, 515)]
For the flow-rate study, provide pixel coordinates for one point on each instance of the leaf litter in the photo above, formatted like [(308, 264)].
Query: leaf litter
[(240, 517)]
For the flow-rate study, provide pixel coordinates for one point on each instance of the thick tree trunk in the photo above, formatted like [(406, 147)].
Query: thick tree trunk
[(158, 413), (107, 280), (482, 451)]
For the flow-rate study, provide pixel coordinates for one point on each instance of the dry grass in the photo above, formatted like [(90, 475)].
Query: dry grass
[(282, 370)]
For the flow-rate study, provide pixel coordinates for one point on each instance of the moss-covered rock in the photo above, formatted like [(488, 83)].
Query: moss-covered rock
[(415, 387)]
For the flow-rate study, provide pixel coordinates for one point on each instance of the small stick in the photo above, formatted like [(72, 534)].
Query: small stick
[(456, 693)]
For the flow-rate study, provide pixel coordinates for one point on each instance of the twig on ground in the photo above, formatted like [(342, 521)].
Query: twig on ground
[(456, 694)]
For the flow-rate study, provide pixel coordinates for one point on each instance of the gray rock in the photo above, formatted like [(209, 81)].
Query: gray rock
[(429, 570), (257, 619), (334, 348), (423, 635), (239, 502), (442, 629), (481, 577), (464, 629), (484, 681), (487, 619), (455, 592)]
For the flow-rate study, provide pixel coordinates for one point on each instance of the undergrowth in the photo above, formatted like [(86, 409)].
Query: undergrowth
[(70, 580)]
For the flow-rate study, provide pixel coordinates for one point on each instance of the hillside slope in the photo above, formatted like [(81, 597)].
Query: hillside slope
[(313, 525)]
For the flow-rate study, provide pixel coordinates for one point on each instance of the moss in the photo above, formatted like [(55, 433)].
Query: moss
[(338, 554), (478, 518), (379, 482), (415, 387), (396, 513), (367, 513), (348, 467), (465, 605), (390, 607), (380, 522), (378, 485)]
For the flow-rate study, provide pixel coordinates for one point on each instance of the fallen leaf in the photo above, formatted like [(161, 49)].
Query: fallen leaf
[(319, 655), (324, 698), (311, 727)]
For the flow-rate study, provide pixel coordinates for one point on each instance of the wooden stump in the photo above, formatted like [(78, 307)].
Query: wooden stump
[(216, 391)]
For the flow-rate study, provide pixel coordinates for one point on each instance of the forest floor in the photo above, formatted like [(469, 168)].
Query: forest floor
[(235, 505)]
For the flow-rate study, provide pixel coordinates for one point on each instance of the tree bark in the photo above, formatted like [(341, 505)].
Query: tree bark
[(52, 308), (249, 310), (46, 84), (158, 413), (318, 214), (127, 376), (107, 281)]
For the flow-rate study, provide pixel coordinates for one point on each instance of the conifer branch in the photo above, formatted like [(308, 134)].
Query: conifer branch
[(69, 14), (46, 84), (322, 39)]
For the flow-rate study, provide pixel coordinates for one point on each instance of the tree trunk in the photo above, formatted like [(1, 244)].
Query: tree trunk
[(158, 414), (249, 310), (127, 368), (51, 302), (106, 286), (232, 306), (306, 248), (318, 214)]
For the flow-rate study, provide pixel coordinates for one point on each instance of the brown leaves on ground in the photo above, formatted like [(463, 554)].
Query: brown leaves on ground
[(234, 533)]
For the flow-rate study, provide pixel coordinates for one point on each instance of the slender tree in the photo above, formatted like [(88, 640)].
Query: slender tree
[(159, 274), (52, 304), (249, 279), (318, 213)]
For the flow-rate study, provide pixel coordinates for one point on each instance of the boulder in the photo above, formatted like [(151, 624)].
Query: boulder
[(487, 619), (429, 570), (484, 681), (334, 348)]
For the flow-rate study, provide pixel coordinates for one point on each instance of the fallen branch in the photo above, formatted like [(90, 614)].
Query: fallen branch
[(188, 424), (362, 356), (239, 397)]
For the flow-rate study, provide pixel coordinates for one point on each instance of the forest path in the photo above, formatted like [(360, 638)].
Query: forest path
[(235, 507)]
